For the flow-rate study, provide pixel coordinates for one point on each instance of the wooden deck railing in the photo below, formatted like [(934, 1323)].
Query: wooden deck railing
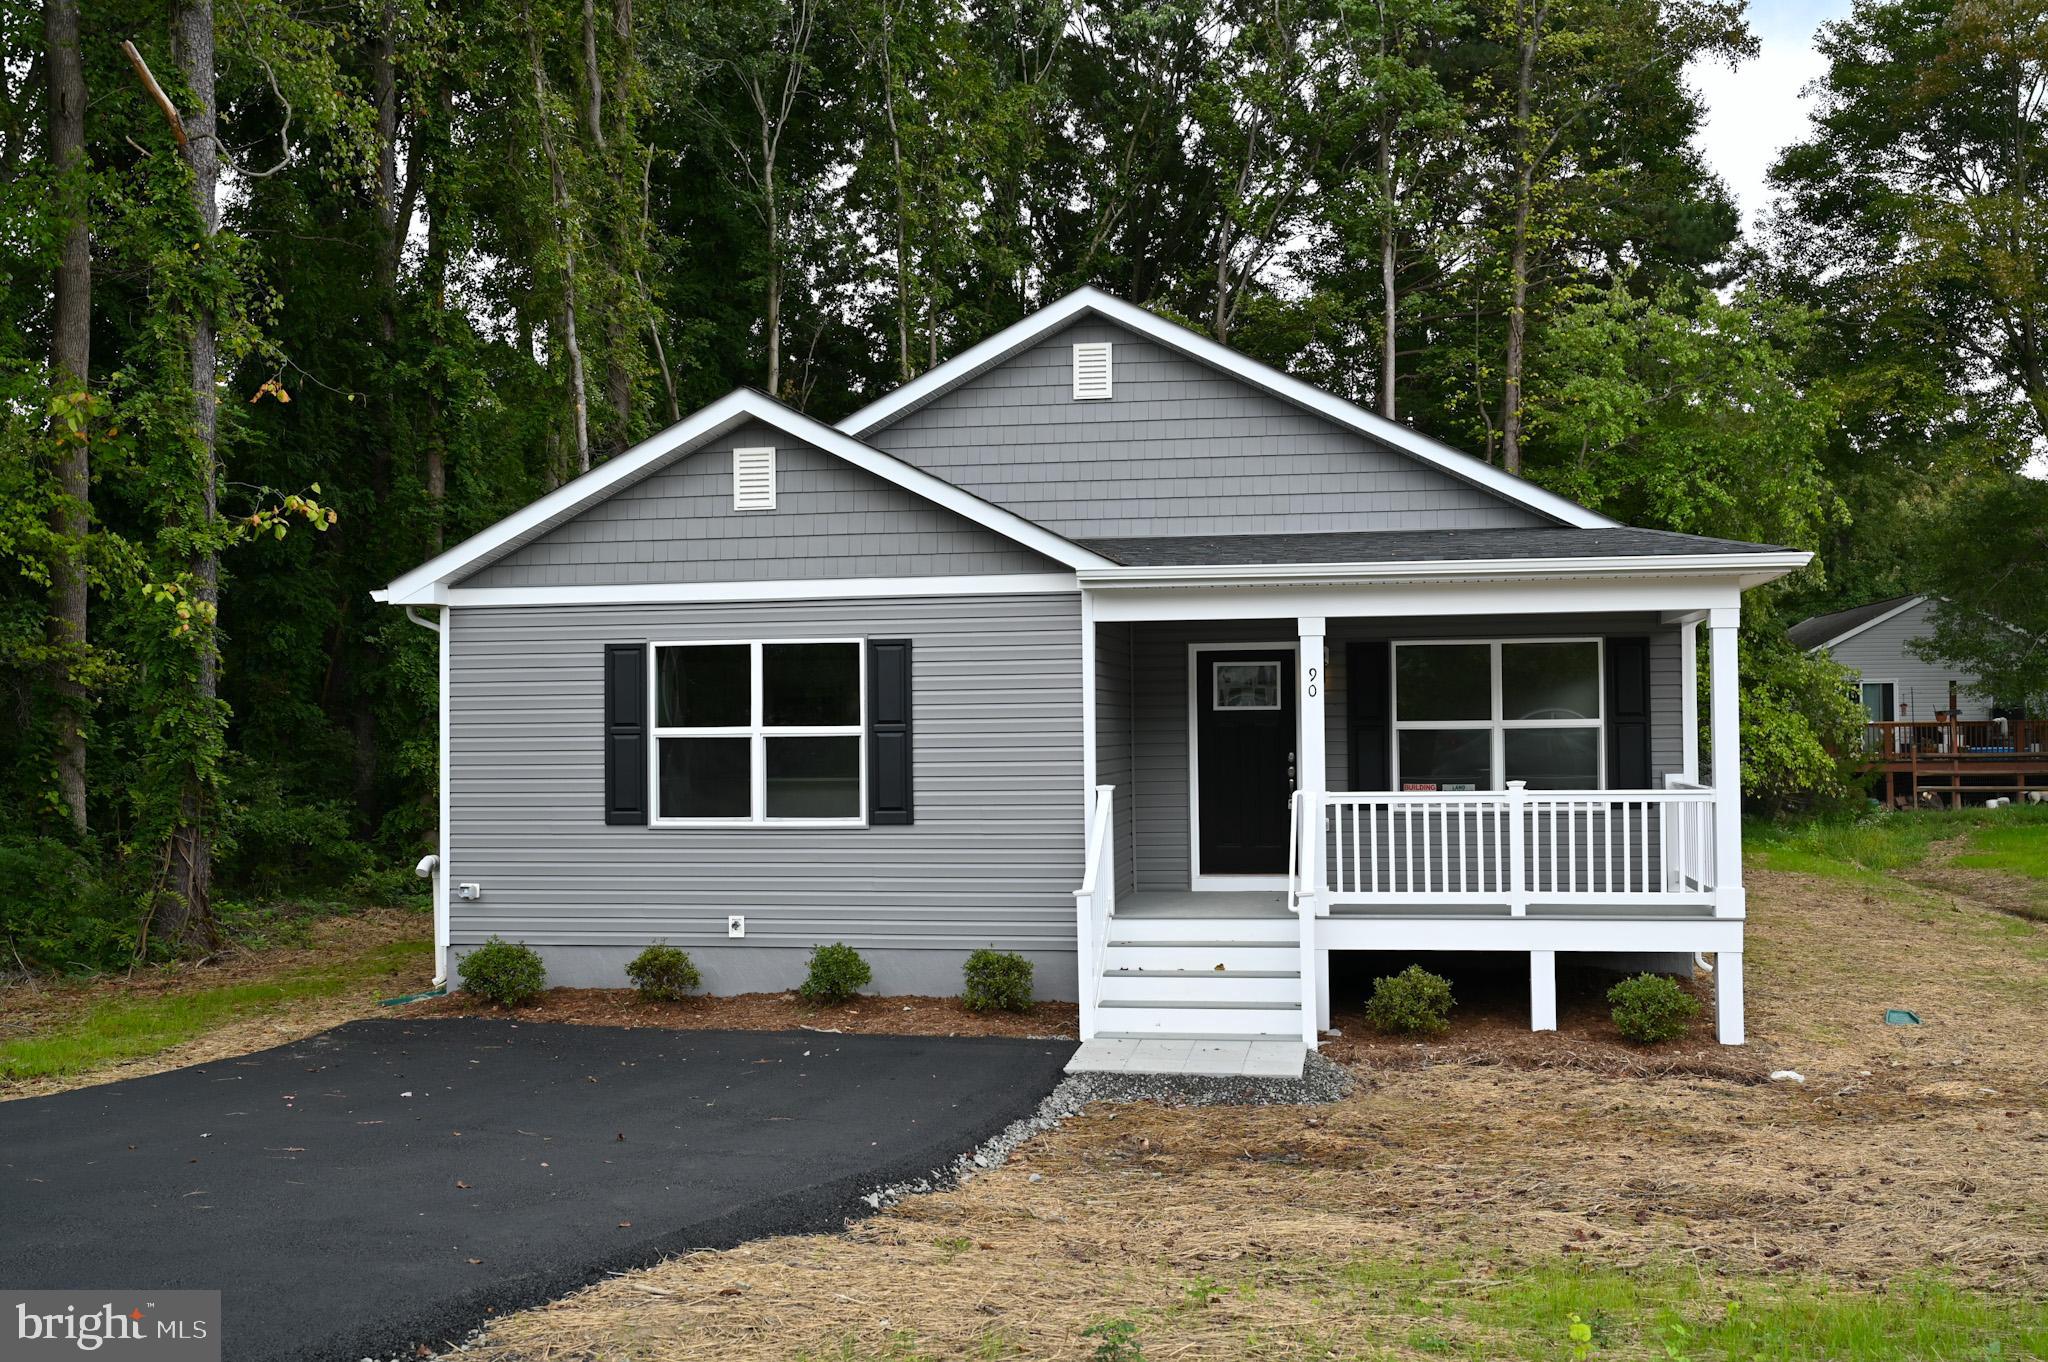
[(1986, 740), (1095, 903)]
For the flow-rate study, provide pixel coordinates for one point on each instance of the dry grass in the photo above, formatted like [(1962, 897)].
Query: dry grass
[(1231, 1232), (335, 943)]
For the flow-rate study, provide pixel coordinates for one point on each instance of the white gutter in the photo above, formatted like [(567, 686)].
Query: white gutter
[(438, 870), (1762, 567)]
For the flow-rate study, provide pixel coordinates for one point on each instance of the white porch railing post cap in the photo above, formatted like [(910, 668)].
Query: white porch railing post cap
[(1518, 785)]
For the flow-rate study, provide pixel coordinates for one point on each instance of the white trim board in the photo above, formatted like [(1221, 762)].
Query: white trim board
[(424, 584), (1092, 301), (1197, 881)]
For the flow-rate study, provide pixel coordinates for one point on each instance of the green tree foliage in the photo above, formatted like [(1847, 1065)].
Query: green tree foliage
[(1986, 560), (452, 255)]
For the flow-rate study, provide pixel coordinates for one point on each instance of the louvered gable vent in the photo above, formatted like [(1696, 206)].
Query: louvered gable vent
[(753, 479), (1091, 371)]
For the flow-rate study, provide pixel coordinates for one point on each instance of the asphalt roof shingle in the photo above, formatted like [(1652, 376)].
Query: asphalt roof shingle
[(1811, 633), (1410, 546)]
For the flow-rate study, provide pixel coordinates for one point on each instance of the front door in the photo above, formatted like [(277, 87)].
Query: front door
[(1244, 760)]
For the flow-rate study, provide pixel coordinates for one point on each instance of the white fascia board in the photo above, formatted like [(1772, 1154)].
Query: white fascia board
[(795, 589), (1199, 347), (1750, 569), (1868, 624), (419, 587)]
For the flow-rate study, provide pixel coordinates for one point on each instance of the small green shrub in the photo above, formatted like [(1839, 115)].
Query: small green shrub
[(500, 972), (1412, 1001), (1652, 1007), (837, 973), (663, 974), (997, 981)]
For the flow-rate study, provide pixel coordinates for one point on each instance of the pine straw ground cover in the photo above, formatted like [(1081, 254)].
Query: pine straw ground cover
[(894, 1016), (1469, 1202)]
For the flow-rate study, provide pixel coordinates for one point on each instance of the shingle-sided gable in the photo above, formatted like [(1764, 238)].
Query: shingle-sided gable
[(1179, 448), (831, 520)]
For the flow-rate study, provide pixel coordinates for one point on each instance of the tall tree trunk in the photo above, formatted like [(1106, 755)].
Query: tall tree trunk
[(1518, 251), (572, 351), (187, 919), (70, 363), (772, 309), (435, 445), (904, 370), (593, 80), (1389, 324)]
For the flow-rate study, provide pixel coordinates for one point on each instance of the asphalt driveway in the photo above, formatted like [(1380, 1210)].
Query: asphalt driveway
[(391, 1182)]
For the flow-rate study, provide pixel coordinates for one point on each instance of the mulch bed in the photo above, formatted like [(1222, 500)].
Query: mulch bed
[(1490, 1026), (900, 1016)]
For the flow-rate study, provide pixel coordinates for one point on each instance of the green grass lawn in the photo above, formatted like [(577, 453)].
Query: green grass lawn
[(2012, 839), (1486, 1310), (131, 1026)]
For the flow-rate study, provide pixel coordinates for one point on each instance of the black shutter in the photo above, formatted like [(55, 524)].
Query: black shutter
[(1628, 713), (889, 795), (1370, 716), (625, 734)]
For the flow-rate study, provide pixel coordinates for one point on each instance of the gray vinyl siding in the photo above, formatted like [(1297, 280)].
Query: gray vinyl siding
[(831, 519), (1880, 654), (1159, 669), (1179, 449), (1113, 733), (992, 860)]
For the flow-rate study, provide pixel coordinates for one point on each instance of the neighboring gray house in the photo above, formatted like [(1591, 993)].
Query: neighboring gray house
[(1896, 685), (1100, 643)]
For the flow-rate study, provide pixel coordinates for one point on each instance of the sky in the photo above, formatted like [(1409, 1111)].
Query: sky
[(1756, 110)]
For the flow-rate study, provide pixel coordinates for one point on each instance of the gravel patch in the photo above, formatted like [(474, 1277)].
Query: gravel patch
[(1322, 1081)]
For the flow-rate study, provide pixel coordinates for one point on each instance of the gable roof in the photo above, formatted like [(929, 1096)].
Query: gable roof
[(1825, 631), (428, 583), (1094, 302)]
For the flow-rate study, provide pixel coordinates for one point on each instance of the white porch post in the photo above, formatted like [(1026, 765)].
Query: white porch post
[(1729, 899), (1689, 700), (1728, 997), (1310, 778), (1542, 990)]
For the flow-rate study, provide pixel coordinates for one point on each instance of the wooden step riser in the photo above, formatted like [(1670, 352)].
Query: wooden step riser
[(1203, 988), (1250, 930), (1279, 1022), (1206, 958)]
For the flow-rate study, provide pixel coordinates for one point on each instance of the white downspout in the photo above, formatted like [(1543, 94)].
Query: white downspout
[(436, 867)]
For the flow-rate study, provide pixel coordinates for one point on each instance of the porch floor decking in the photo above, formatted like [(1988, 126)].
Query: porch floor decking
[(1189, 903), (1206, 1058)]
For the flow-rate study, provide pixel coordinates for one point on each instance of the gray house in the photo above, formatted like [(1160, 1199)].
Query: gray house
[(1100, 643), (1896, 684)]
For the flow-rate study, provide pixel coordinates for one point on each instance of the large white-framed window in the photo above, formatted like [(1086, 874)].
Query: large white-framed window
[(758, 733), (1473, 714)]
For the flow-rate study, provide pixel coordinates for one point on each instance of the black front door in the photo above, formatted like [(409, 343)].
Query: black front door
[(1244, 739)]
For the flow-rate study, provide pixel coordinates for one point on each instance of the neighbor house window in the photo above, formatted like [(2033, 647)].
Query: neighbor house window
[(758, 732), (1473, 716)]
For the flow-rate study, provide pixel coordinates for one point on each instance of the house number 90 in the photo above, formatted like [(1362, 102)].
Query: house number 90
[(1314, 682)]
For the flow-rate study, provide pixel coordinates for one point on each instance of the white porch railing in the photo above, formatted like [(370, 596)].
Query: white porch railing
[(1514, 847), (1095, 903)]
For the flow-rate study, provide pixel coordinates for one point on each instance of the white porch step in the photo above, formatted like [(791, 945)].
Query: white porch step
[(1175, 986), (1215, 1056), (1210, 953), (1195, 1019), (1245, 930)]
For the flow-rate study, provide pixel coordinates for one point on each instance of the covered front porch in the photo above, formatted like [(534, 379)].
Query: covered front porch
[(1452, 761)]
